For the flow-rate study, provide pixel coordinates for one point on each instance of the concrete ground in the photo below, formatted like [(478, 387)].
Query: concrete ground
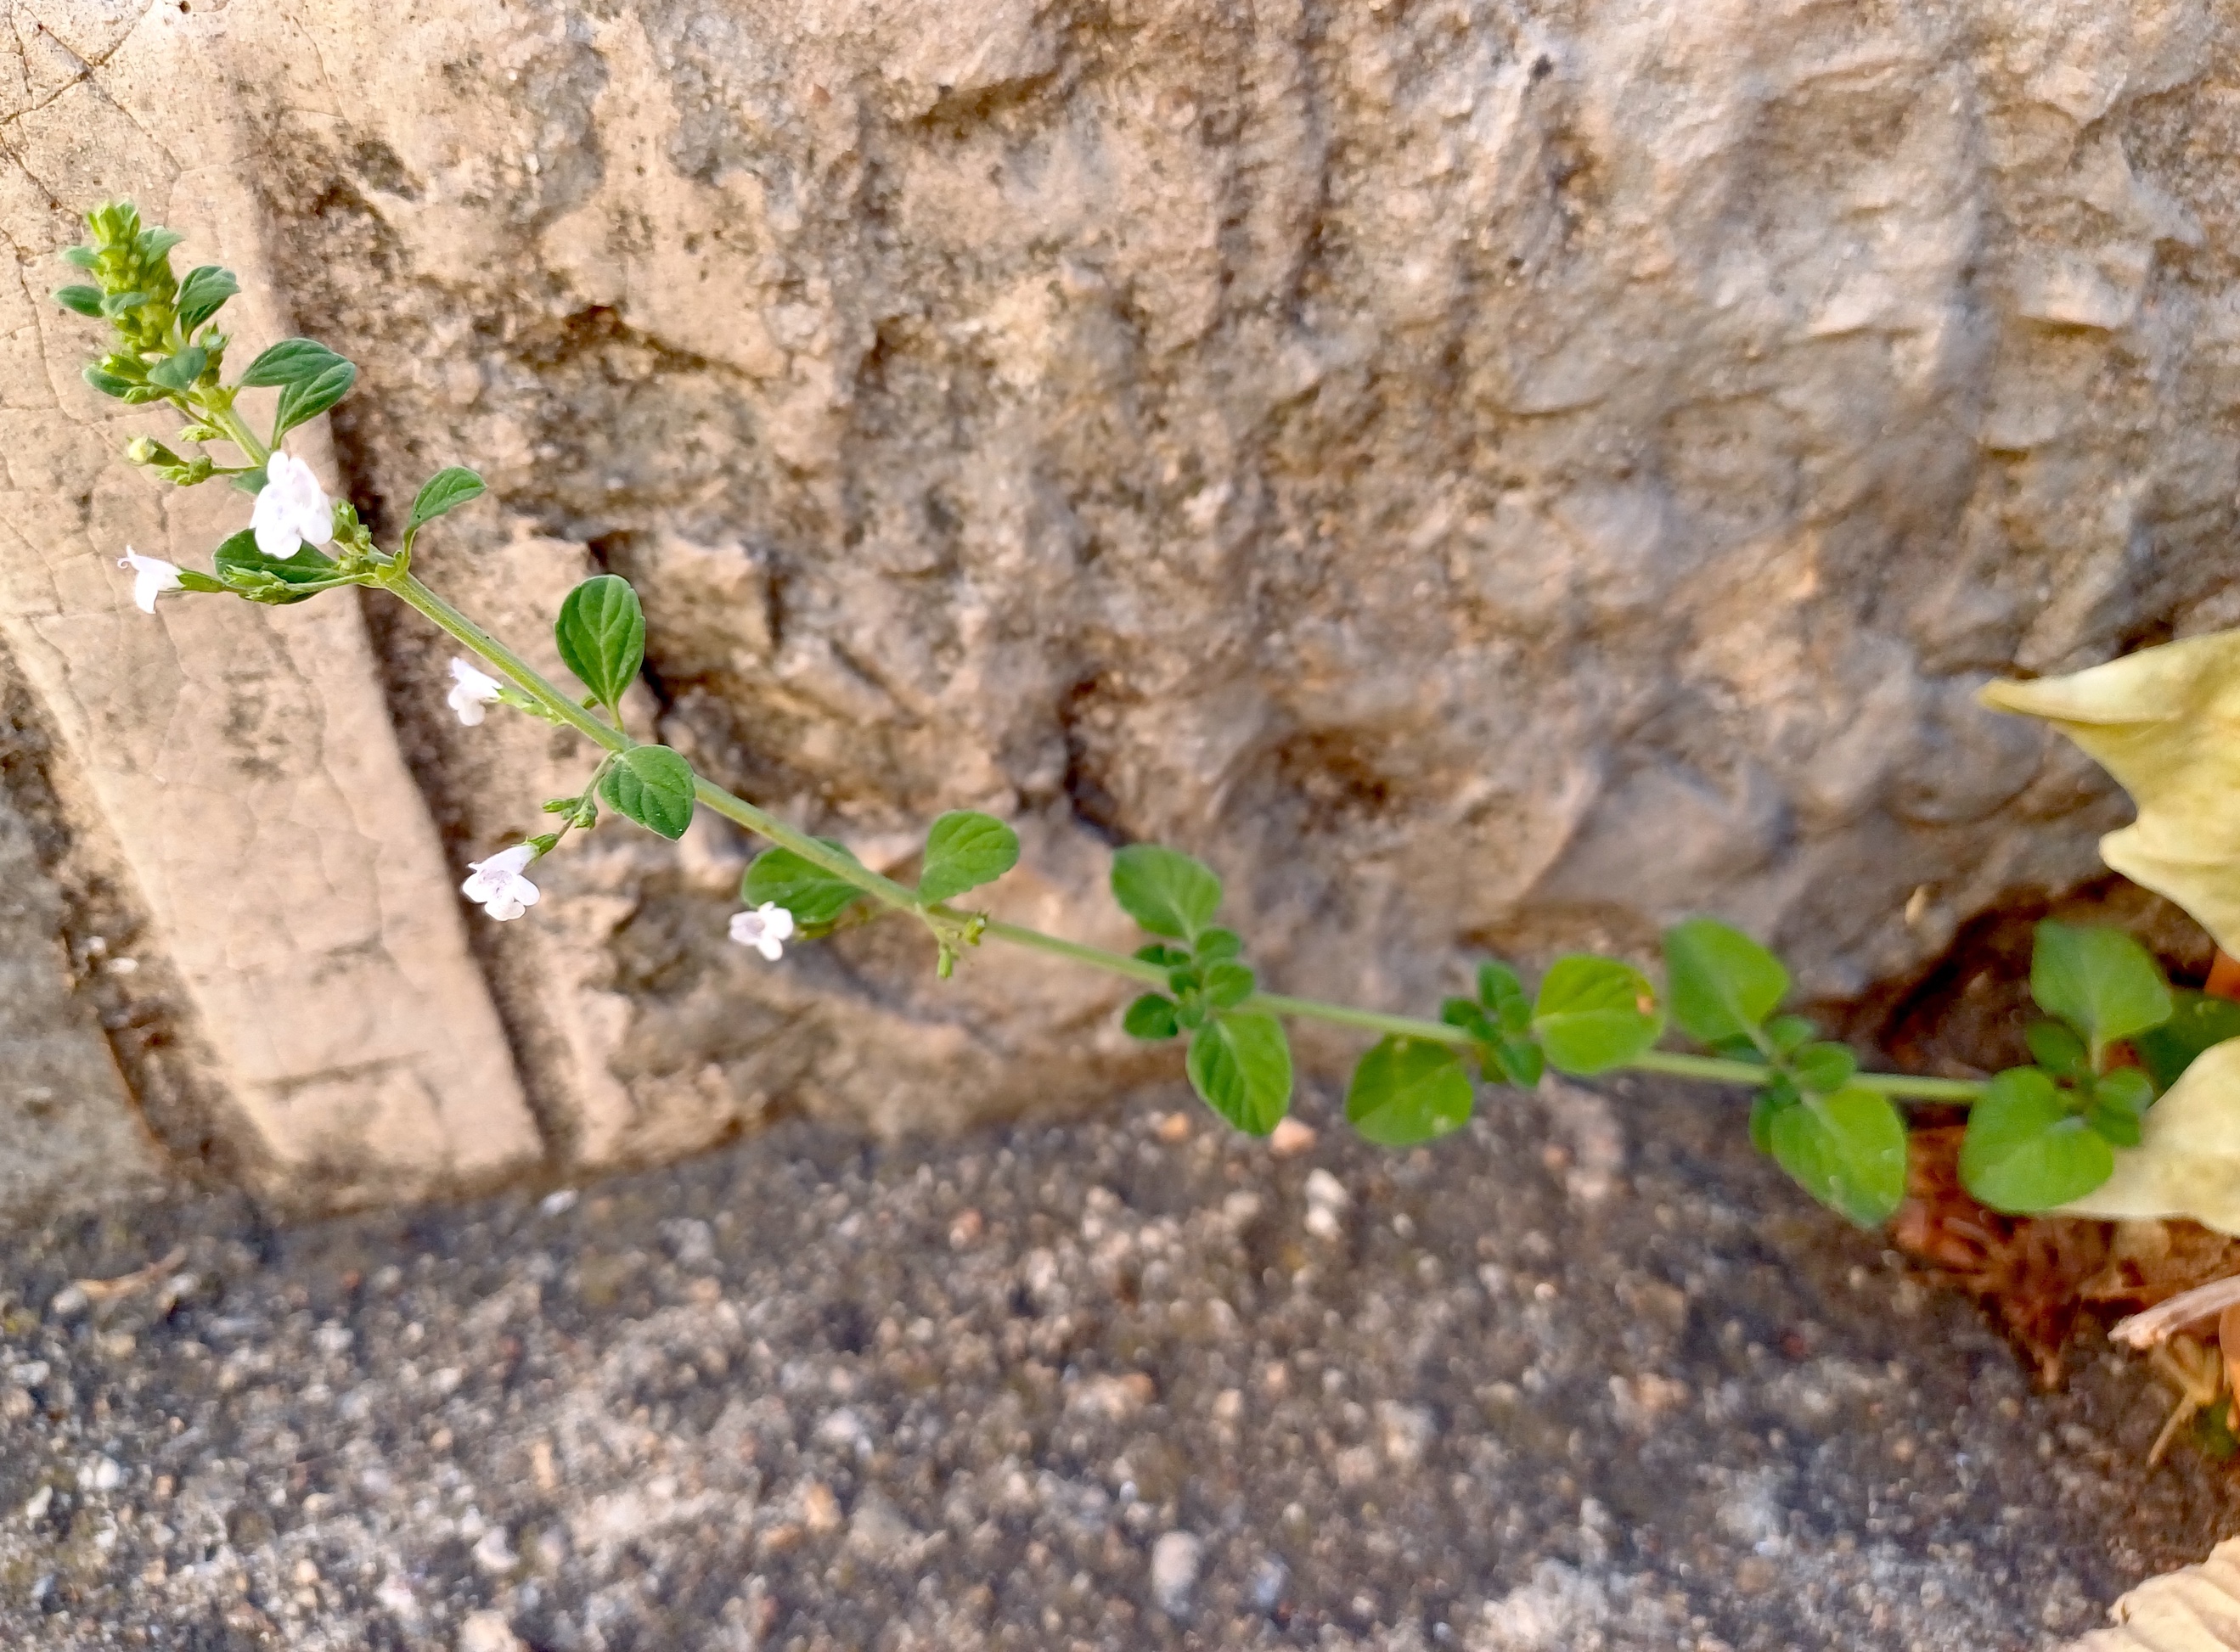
[(1587, 1375)]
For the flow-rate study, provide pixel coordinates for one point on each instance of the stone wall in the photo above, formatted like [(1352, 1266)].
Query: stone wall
[(1483, 474)]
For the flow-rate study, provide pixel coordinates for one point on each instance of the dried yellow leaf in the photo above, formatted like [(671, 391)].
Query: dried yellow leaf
[(2165, 722), (2187, 1162)]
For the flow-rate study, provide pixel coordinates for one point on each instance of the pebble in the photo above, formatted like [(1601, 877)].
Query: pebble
[(494, 1554), (1291, 1137), (1174, 1561), (489, 1632)]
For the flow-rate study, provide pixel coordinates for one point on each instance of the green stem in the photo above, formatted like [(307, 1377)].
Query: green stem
[(524, 676)]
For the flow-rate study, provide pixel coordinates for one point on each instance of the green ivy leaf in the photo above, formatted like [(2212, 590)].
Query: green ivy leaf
[(653, 786), (204, 293), (1164, 890), (275, 580), (1722, 983), (1240, 1064), (179, 370), (601, 632), (1594, 1014), (445, 492), (2057, 1049), (292, 361), (2026, 1150), (2100, 980), (1408, 1090), (86, 301), (963, 851), (1847, 1151), (815, 896), (1150, 1017), (1823, 1068), (2197, 1021), (304, 400)]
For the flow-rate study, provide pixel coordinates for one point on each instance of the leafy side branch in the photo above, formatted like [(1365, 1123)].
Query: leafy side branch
[(2038, 1134)]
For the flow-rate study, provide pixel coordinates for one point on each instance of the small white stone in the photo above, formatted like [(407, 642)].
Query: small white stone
[(1324, 1188), (102, 1473), (494, 1554), (1174, 1561), (488, 1632), (35, 1509)]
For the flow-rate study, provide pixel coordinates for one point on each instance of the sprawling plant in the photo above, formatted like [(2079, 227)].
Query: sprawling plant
[(2039, 1135)]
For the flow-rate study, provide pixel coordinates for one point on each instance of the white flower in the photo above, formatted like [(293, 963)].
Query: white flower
[(763, 928), (471, 691), (152, 576), (498, 885), (291, 508)]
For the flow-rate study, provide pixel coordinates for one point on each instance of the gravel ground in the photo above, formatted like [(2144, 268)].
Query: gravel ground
[(1586, 1377)]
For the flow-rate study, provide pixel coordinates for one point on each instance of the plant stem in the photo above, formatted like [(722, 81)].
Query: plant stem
[(524, 676)]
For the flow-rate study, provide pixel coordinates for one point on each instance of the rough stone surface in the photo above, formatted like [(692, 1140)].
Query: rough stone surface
[(811, 1392), (1486, 473)]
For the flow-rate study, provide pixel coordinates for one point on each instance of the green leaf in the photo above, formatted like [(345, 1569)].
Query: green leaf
[(1165, 957), (1164, 890), (1823, 1068), (156, 242), (1408, 1090), (2100, 980), (179, 370), (1722, 983), (204, 293), (445, 492), (601, 632), (1228, 983), (2026, 1150), (115, 303), (1240, 1064), (814, 896), (2197, 1021), (1470, 1016), (292, 361), (1503, 997), (1764, 1106), (81, 257), (1787, 1034), (1521, 1062), (1215, 944), (279, 580), (2119, 1099), (964, 851), (108, 383), (86, 301), (304, 400), (1594, 1014), (2057, 1049), (1847, 1151), (653, 786), (1150, 1017)]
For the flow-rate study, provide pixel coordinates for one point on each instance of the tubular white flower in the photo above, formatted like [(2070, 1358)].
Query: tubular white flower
[(763, 929), (292, 509), (152, 576), (497, 885), (472, 690)]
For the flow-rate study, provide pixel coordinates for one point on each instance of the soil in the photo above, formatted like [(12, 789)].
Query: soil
[(1589, 1375)]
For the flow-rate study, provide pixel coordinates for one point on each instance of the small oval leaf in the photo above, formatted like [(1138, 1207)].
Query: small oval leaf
[(2026, 1150), (601, 633), (1150, 1017), (1240, 1064), (964, 849), (1847, 1151), (273, 580), (653, 786), (2100, 980), (814, 896), (1594, 1014), (204, 293), (445, 491), (1720, 983), (1408, 1090), (1165, 890), (304, 400), (292, 361)]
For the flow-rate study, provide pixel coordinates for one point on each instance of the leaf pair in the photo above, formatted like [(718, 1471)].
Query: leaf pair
[(1843, 1143), (2043, 1136), (1240, 1059), (963, 850), (311, 379)]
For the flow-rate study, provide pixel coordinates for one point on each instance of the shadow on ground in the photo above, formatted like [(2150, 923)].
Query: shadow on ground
[(1592, 1378)]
